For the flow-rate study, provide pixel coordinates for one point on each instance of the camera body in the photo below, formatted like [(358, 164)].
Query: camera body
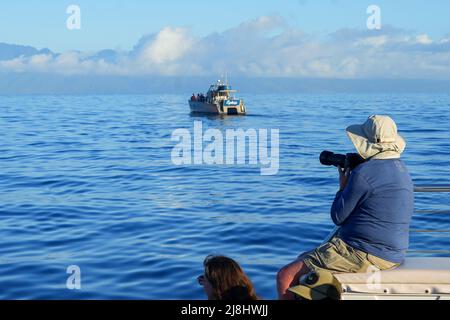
[(348, 161)]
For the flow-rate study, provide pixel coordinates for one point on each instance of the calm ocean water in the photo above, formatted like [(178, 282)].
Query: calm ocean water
[(88, 181)]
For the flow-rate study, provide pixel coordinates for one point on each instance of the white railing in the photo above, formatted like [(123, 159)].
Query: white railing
[(432, 188)]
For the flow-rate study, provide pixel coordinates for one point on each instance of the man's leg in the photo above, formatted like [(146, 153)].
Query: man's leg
[(289, 276)]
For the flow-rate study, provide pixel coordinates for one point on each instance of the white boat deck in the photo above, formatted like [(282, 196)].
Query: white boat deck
[(417, 278)]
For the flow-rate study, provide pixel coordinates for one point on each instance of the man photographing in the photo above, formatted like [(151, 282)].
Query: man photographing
[(373, 208)]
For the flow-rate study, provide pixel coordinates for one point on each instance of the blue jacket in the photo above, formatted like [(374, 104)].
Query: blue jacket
[(375, 209)]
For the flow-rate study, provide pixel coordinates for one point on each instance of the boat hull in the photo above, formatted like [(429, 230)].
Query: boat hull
[(226, 108), (203, 107)]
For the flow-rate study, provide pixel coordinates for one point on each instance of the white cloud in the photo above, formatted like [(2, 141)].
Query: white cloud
[(266, 46), (169, 45), (15, 65), (376, 41), (40, 59), (423, 39)]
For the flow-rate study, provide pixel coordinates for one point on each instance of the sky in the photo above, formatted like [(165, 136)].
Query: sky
[(264, 38), (120, 23)]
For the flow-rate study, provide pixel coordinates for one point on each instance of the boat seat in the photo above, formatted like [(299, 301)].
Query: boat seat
[(416, 276), (419, 277)]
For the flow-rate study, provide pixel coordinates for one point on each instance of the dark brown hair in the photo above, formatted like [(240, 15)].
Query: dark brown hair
[(228, 280)]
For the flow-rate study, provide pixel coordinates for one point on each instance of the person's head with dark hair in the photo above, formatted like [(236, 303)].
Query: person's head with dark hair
[(224, 279)]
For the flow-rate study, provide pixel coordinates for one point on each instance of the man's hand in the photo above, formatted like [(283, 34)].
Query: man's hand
[(343, 177)]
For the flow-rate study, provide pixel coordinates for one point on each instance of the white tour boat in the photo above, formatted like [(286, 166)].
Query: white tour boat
[(220, 99)]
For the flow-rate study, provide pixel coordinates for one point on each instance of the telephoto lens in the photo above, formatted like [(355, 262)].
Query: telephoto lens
[(328, 158), (350, 160)]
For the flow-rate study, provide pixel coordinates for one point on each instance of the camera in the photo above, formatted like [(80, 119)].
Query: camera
[(350, 160)]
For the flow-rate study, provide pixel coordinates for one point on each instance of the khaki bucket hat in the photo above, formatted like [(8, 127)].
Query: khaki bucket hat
[(377, 138)]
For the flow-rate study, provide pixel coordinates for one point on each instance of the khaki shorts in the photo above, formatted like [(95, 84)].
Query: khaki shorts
[(338, 257)]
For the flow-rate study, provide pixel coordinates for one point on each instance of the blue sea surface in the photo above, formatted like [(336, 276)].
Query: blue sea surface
[(89, 181)]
